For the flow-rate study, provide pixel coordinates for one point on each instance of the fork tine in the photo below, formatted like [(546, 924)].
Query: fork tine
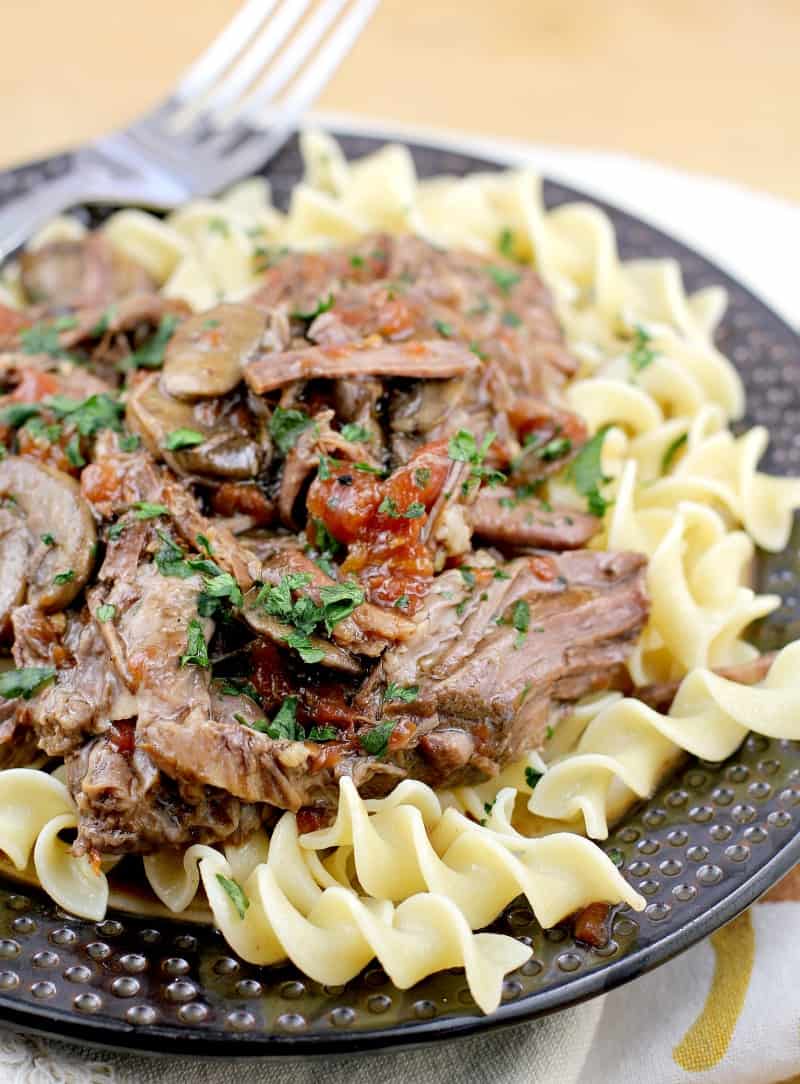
[(239, 32), (298, 51), (255, 60), (318, 72), (261, 145)]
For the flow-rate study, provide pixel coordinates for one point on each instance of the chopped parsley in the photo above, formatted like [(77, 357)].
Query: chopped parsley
[(170, 560), (304, 648), (41, 432), (323, 733), (218, 225), (64, 577), (376, 740), (25, 682), (476, 350), (284, 726), (556, 448), (641, 354), (147, 510), (672, 451), (521, 619), (129, 443), (586, 472), (90, 416), (338, 602), (388, 507), (356, 261), (48, 539), (323, 305), (73, 451), (233, 686), (532, 777), (403, 694), (42, 339), (402, 603), (499, 574), (182, 438), (103, 324), (285, 426), (356, 434), (616, 856), (367, 468), (504, 278), (422, 475), (444, 329), (548, 734), (204, 544), (464, 448), (151, 354), (505, 243), (510, 319), (18, 414), (105, 612), (220, 588), (235, 893), (467, 575), (196, 649)]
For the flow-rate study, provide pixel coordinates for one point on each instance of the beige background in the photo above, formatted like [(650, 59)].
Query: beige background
[(711, 85)]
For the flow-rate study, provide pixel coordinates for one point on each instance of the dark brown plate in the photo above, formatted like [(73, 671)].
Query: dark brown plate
[(713, 838)]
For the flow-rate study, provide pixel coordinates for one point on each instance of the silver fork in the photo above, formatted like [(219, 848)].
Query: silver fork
[(268, 64)]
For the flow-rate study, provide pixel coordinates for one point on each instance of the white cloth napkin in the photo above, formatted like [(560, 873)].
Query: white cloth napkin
[(724, 1013)]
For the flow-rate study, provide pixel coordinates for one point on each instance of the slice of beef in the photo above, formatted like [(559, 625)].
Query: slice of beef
[(87, 272), (495, 659), (18, 746), (126, 805), (303, 459), (418, 360), (87, 692), (499, 517), (661, 695)]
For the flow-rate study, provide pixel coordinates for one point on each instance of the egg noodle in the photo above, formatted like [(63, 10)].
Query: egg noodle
[(407, 879)]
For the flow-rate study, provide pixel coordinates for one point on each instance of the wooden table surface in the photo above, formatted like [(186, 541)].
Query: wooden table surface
[(711, 86)]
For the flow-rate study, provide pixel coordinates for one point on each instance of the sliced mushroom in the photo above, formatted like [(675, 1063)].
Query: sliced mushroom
[(431, 360), (225, 453), (207, 353), (333, 656), (51, 505), (86, 272)]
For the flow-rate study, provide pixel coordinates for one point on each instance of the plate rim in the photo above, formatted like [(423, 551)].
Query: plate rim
[(116, 1035)]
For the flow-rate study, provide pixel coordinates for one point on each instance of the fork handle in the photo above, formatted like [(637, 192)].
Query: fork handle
[(22, 216)]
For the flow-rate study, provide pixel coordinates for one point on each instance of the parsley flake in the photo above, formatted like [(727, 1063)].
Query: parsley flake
[(403, 694), (532, 777), (151, 354), (672, 451), (285, 426), (586, 472), (376, 740), (504, 278), (25, 682), (641, 354), (105, 612), (182, 438), (235, 893), (196, 649), (147, 510), (356, 434)]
